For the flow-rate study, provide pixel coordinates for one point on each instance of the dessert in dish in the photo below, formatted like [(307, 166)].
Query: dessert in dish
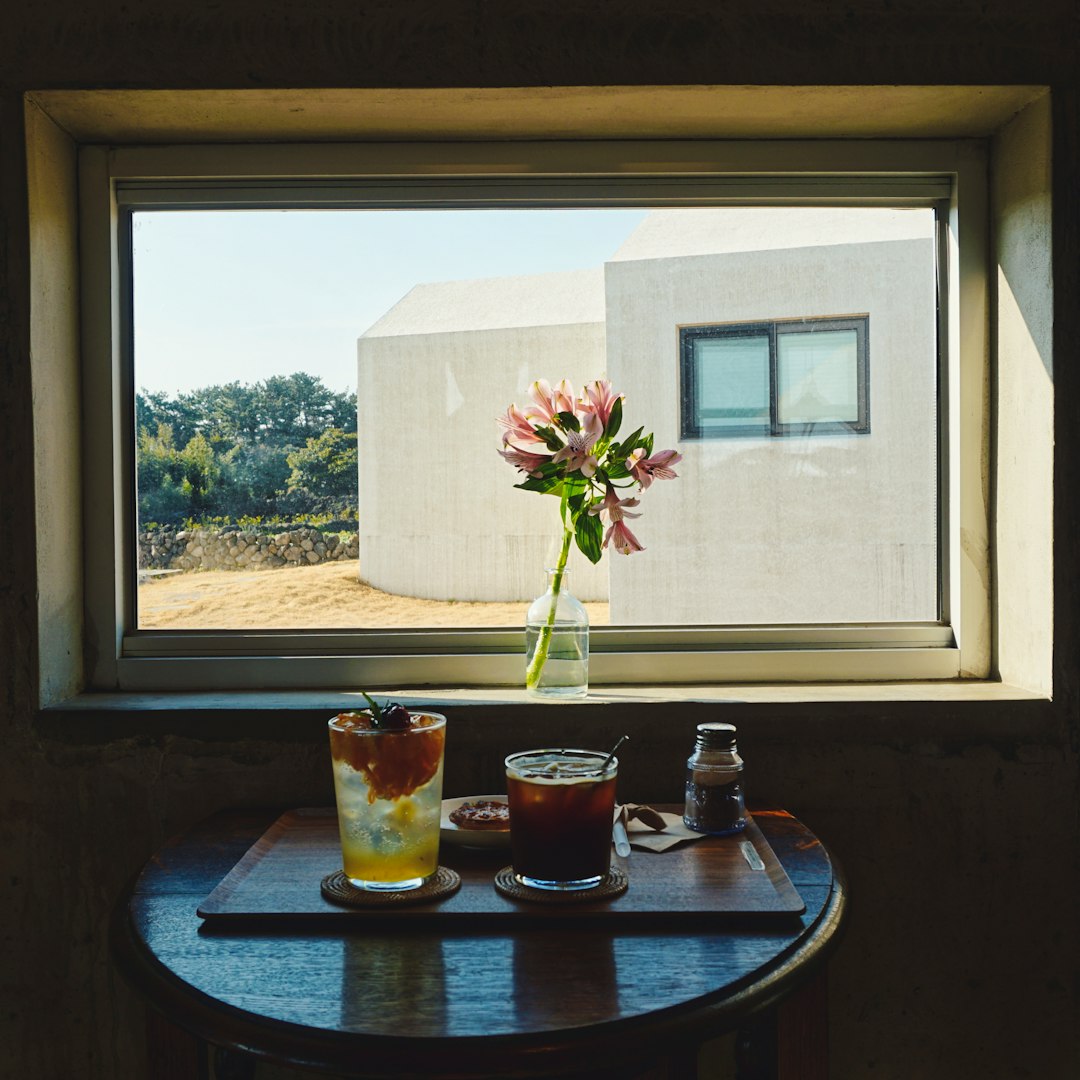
[(484, 815)]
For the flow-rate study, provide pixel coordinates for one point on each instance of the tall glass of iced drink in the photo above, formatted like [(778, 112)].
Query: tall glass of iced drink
[(561, 807), (388, 772)]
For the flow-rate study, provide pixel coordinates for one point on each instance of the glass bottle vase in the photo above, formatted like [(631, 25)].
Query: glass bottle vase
[(557, 642)]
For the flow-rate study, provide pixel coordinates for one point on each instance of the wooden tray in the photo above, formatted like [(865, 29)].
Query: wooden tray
[(278, 879)]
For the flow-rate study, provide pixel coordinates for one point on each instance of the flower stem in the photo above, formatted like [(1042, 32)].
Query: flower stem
[(539, 657)]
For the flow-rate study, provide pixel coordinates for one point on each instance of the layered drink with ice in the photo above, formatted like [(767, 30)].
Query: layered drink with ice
[(388, 772)]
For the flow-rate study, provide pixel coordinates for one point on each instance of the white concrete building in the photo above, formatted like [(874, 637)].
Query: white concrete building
[(439, 515), (796, 520)]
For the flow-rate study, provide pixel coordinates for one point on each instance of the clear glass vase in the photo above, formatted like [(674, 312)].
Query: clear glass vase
[(557, 642)]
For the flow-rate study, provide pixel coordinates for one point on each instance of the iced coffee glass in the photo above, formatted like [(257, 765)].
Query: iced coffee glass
[(561, 807), (388, 783)]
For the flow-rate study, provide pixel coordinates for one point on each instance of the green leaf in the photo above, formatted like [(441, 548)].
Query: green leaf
[(615, 419), (551, 440), (549, 469), (569, 421), (545, 485), (376, 712), (589, 534), (627, 446), (616, 470)]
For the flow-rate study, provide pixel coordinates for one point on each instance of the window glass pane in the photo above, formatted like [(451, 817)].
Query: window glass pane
[(817, 377), (270, 495), (733, 381), (318, 393)]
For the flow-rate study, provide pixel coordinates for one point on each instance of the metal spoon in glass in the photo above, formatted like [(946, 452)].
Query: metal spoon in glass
[(608, 759)]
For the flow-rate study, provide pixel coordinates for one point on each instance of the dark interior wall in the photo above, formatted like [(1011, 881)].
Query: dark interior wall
[(253, 43), (957, 824)]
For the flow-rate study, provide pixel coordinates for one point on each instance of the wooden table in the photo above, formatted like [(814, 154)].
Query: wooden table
[(592, 998)]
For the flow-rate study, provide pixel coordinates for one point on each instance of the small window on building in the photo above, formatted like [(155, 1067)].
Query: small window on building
[(788, 377)]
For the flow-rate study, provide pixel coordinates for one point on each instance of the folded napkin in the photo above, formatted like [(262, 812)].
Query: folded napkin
[(652, 830)]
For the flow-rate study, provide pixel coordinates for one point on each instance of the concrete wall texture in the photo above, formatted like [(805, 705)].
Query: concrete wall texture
[(836, 528), (458, 353), (956, 821)]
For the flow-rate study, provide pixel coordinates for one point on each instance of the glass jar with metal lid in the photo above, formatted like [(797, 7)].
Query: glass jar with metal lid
[(714, 782)]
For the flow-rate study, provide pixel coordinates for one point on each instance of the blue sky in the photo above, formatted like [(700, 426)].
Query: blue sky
[(226, 296)]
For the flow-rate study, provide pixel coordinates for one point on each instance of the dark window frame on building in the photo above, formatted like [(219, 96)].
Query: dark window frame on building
[(690, 407)]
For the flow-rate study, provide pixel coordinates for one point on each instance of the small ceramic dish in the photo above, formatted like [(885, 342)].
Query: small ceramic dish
[(450, 833)]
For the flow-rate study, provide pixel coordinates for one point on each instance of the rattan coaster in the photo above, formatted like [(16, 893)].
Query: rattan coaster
[(613, 883), (338, 889)]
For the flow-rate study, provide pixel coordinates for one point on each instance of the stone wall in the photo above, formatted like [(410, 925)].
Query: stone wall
[(233, 548)]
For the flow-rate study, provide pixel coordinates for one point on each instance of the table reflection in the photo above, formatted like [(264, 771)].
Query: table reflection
[(563, 978), (388, 977)]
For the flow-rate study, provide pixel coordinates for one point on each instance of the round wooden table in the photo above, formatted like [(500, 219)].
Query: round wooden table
[(486, 999)]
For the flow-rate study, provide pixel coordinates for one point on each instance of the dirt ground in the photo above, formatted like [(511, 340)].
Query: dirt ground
[(306, 598)]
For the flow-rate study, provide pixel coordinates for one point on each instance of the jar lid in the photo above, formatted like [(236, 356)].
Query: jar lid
[(716, 736)]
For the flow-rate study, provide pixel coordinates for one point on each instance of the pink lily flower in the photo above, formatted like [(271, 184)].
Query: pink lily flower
[(577, 453), (518, 429), (548, 403), (613, 506), (527, 463), (601, 400), (543, 406), (658, 467), (623, 540), (591, 425), (564, 396)]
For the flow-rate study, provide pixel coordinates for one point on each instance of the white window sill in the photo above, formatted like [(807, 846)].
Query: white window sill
[(1020, 722)]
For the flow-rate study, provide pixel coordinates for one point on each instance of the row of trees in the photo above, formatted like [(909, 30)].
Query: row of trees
[(281, 448)]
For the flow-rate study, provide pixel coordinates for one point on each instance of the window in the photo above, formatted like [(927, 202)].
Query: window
[(797, 377), (700, 638)]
